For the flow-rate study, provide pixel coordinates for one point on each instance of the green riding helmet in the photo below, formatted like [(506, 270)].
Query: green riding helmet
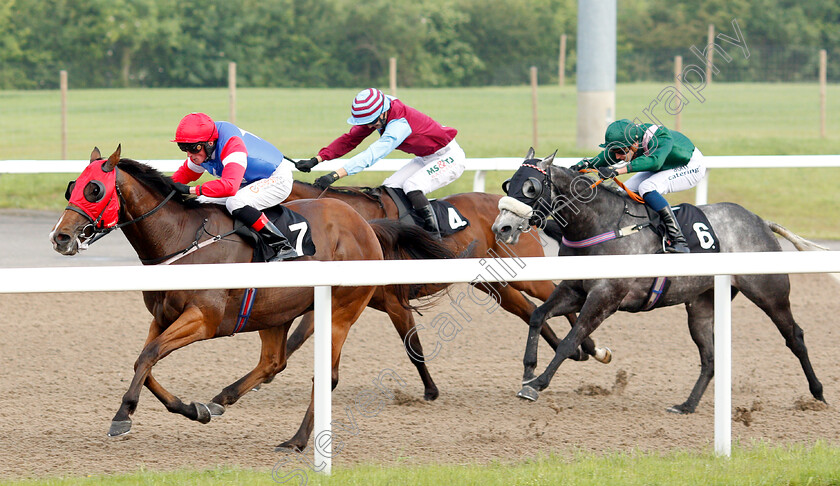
[(622, 133)]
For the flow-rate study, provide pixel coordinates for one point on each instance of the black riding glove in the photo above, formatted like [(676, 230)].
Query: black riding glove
[(583, 164), (607, 172), (325, 181), (181, 188), (307, 164)]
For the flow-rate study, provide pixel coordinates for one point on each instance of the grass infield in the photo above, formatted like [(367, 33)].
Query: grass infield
[(732, 119), (755, 464)]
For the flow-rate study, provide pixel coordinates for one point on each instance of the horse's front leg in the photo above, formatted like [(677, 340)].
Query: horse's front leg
[(170, 401), (563, 300), (191, 326), (272, 361), (601, 302)]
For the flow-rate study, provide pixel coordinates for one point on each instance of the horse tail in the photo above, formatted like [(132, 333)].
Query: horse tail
[(799, 242), (400, 241)]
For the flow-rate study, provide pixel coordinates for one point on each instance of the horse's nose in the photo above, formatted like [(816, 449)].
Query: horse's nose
[(61, 238), (501, 230), (61, 242)]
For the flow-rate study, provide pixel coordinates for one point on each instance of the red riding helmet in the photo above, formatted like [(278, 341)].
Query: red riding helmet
[(196, 127)]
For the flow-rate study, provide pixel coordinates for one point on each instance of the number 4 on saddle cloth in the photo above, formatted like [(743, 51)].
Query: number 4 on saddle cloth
[(293, 226), (450, 220)]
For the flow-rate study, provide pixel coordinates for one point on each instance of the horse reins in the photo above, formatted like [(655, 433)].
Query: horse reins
[(100, 233), (167, 259), (617, 233), (194, 246), (630, 193), (609, 235)]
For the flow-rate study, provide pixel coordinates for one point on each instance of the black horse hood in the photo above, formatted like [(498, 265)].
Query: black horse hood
[(526, 185)]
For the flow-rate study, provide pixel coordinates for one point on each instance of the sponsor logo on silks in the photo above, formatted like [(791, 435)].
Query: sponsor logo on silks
[(442, 163), (684, 173)]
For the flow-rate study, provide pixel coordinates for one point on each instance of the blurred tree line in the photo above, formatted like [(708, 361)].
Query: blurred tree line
[(344, 43)]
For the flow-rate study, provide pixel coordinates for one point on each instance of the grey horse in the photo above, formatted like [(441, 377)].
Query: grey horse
[(583, 210)]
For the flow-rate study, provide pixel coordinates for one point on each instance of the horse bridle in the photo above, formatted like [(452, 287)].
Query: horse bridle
[(539, 187), (96, 232)]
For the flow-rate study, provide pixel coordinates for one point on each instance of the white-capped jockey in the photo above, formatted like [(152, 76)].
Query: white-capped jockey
[(438, 160), (252, 175)]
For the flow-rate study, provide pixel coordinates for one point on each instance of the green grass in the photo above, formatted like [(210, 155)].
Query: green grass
[(733, 119), (758, 464)]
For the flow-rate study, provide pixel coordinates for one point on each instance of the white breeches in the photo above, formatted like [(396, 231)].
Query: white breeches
[(260, 194), (430, 172), (670, 180)]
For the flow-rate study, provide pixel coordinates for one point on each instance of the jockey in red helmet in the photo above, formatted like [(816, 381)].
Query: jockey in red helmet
[(238, 159), (438, 160)]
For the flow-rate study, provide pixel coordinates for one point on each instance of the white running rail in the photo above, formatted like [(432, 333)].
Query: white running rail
[(323, 275)]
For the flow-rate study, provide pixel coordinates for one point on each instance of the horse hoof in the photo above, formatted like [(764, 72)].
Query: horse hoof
[(216, 410), (288, 446), (528, 393), (603, 355), (256, 388), (202, 412), (431, 395), (119, 427), (679, 409)]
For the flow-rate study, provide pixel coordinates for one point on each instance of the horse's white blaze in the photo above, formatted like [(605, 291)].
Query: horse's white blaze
[(52, 233)]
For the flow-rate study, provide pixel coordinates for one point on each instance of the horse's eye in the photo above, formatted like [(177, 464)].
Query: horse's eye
[(94, 191), (530, 189)]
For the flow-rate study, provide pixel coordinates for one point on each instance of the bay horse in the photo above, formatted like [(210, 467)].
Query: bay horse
[(587, 211), (476, 240), (125, 194)]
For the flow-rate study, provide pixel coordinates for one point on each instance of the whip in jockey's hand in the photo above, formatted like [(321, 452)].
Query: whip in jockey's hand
[(306, 165), (238, 159), (326, 180)]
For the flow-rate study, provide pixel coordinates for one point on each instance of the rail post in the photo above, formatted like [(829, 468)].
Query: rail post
[(723, 365), (322, 432)]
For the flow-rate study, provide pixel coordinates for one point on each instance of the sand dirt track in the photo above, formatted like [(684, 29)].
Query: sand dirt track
[(67, 360)]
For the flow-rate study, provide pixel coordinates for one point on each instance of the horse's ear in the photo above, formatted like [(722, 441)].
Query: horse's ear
[(95, 155), (545, 163), (112, 161), (530, 155)]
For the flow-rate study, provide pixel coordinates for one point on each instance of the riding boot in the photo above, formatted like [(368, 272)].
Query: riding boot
[(430, 222), (278, 242), (676, 241), (424, 209)]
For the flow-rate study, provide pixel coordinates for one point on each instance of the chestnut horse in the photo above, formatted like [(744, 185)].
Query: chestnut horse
[(480, 209), (159, 223)]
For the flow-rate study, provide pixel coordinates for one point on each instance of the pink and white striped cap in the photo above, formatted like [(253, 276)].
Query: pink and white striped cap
[(367, 106)]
